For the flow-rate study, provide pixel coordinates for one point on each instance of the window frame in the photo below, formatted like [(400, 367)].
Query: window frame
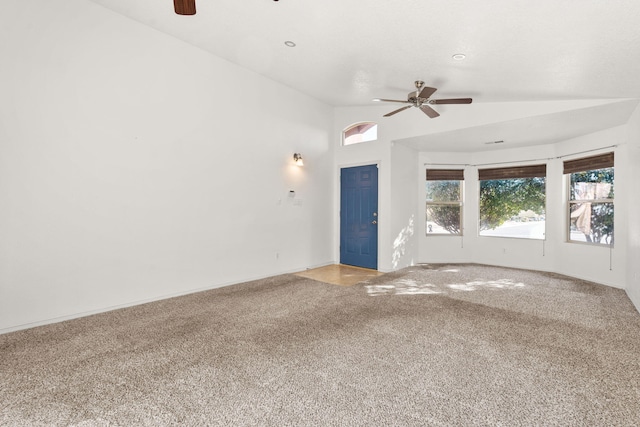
[(512, 172), (588, 164), (446, 175), (366, 125)]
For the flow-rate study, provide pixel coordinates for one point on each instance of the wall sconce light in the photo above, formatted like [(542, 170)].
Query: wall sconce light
[(297, 157)]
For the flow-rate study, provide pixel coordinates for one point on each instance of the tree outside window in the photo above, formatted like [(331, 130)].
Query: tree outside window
[(512, 202), (444, 202), (591, 206), (591, 184)]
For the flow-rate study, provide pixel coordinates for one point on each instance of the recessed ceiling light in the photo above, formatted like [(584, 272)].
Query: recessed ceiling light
[(290, 43), (459, 56)]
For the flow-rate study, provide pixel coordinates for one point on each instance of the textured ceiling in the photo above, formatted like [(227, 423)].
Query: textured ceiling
[(531, 130), (350, 51)]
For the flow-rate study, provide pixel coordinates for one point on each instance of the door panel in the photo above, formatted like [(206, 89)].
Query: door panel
[(359, 216)]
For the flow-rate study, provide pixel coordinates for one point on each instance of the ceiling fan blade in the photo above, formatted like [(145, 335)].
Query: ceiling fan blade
[(429, 111), (398, 110), (452, 101), (427, 92), (390, 100), (185, 7)]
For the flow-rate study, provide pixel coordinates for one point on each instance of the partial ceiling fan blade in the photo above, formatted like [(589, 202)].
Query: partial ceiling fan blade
[(429, 111), (398, 110), (185, 7), (427, 92), (452, 101), (390, 100)]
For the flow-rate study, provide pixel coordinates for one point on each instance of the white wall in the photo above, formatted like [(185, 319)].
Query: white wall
[(598, 263), (595, 263), (133, 168), (438, 248), (470, 247), (633, 250), (406, 130), (404, 208), (374, 152)]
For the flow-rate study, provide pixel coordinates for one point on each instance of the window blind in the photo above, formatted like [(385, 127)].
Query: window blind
[(589, 163), (445, 174), (533, 171)]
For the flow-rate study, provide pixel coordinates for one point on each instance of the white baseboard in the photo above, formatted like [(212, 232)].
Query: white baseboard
[(147, 300), (524, 267), (634, 300)]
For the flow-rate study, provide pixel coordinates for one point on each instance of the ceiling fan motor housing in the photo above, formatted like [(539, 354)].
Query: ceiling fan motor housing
[(420, 98)]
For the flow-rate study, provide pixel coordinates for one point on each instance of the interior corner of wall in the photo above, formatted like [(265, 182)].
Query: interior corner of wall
[(635, 298)]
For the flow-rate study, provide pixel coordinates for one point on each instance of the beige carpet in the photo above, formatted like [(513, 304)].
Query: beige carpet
[(431, 345)]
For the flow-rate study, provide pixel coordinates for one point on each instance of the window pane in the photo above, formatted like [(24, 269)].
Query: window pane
[(591, 223), (443, 219), (443, 191), (513, 208), (360, 132), (592, 185)]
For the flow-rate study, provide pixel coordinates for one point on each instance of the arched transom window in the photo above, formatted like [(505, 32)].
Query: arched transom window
[(360, 132)]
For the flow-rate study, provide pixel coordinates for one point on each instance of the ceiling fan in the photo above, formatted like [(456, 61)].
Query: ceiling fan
[(420, 98), (185, 7)]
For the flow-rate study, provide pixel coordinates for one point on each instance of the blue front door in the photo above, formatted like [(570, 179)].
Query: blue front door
[(359, 216)]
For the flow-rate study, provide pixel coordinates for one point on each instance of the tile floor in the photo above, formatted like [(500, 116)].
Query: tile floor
[(338, 274)]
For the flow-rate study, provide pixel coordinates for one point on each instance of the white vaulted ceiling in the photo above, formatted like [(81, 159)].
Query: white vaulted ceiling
[(350, 51)]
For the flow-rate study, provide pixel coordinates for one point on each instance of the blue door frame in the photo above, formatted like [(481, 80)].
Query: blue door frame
[(359, 216)]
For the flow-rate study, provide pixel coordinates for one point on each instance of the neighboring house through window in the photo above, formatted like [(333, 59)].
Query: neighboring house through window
[(590, 199), (360, 132)]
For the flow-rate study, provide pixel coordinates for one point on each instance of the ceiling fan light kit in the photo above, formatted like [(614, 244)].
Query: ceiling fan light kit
[(185, 7), (421, 98)]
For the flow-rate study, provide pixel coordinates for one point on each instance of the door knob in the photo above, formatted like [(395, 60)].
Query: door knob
[(374, 222)]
